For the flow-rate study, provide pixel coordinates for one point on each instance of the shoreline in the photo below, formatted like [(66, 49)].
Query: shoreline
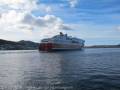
[(103, 46), (37, 49)]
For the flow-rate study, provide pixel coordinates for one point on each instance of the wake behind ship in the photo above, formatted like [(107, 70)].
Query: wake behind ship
[(61, 42)]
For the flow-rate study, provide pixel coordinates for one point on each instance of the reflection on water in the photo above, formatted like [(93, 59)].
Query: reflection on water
[(89, 69)]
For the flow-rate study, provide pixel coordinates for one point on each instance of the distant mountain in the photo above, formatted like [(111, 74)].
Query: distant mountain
[(21, 45), (104, 46)]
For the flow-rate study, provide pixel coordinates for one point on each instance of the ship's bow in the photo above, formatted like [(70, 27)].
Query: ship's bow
[(45, 47)]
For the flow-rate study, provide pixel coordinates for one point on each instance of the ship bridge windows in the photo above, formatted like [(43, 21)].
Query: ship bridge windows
[(45, 40), (75, 42)]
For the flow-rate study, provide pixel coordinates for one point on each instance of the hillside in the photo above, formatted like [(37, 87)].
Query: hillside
[(21, 45)]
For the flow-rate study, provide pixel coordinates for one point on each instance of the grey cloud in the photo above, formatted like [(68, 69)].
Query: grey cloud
[(26, 27), (31, 20), (65, 27), (46, 22)]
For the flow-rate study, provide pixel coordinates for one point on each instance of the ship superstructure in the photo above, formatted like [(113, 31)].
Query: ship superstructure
[(61, 42)]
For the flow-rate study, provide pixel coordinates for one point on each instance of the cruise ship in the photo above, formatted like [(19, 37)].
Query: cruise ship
[(61, 42)]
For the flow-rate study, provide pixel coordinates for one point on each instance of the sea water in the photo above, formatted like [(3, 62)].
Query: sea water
[(87, 69)]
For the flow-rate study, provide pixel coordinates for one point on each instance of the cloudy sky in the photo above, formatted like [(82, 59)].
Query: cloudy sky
[(95, 21)]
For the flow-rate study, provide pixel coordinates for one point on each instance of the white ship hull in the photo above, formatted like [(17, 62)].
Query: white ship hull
[(61, 42)]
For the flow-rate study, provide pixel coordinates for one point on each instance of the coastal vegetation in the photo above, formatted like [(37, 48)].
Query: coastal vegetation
[(20, 45)]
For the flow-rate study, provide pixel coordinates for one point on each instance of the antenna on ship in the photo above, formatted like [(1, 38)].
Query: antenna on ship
[(61, 33), (66, 35)]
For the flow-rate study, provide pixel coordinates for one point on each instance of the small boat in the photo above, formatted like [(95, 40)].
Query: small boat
[(61, 42)]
